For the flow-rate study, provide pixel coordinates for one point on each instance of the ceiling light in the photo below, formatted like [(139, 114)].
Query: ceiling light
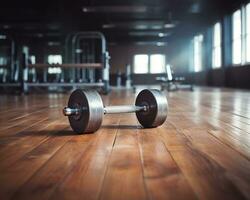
[(6, 26), (3, 37), (195, 8), (161, 34), (142, 43), (85, 9), (151, 43), (78, 50), (54, 43), (39, 35), (160, 44), (141, 26), (156, 27), (108, 26), (164, 34), (169, 25)]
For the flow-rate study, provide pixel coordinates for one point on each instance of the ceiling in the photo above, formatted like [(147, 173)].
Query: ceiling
[(121, 21)]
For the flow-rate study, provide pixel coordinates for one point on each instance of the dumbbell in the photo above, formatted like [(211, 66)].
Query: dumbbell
[(85, 109)]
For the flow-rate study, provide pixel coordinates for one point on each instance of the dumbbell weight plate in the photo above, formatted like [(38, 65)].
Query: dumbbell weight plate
[(157, 108), (90, 118)]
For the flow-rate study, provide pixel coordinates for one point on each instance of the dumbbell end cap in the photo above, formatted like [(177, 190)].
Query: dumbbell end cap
[(69, 111)]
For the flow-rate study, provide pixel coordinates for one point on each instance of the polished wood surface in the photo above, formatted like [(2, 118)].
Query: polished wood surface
[(201, 152)]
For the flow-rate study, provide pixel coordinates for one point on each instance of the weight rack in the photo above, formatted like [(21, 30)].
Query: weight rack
[(71, 49)]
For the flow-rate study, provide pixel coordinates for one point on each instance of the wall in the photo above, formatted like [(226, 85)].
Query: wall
[(123, 54), (179, 54), (231, 76)]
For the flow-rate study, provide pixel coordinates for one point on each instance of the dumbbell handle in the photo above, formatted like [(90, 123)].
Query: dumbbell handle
[(123, 109), (71, 111), (108, 110)]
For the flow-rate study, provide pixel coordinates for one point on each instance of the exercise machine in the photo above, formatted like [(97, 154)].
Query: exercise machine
[(9, 65), (75, 68), (172, 83)]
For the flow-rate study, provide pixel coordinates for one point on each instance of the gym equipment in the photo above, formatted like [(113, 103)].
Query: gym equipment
[(9, 66), (88, 54), (85, 109), (75, 66), (128, 77), (173, 83), (119, 79)]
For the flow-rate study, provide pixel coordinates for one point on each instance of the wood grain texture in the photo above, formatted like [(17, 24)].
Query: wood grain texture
[(202, 151)]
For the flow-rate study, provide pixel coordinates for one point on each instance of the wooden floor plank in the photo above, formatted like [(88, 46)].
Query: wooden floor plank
[(86, 179), (22, 122), (234, 138), (206, 177), (162, 175), (11, 153), (124, 177), (43, 182), (17, 130), (236, 167), (20, 171)]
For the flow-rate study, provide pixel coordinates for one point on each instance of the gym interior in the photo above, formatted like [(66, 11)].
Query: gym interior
[(130, 100)]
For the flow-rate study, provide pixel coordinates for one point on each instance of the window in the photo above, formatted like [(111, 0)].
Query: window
[(157, 63), (33, 59), (236, 43), (198, 53), (141, 64), (216, 54), (54, 59), (3, 61), (154, 63), (248, 32)]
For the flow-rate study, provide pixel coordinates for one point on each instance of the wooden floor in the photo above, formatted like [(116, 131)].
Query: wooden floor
[(201, 152)]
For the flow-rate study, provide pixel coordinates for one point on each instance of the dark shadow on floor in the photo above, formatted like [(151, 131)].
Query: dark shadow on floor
[(58, 133), (129, 127), (51, 133)]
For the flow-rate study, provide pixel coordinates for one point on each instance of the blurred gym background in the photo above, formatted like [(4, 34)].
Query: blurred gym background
[(123, 44)]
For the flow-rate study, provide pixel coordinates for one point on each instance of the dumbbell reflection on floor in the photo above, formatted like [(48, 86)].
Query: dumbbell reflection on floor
[(85, 109)]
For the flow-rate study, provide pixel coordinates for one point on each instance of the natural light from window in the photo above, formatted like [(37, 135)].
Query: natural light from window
[(198, 53), (216, 57), (157, 63), (54, 59), (248, 32), (33, 59), (237, 55), (3, 61), (141, 64)]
